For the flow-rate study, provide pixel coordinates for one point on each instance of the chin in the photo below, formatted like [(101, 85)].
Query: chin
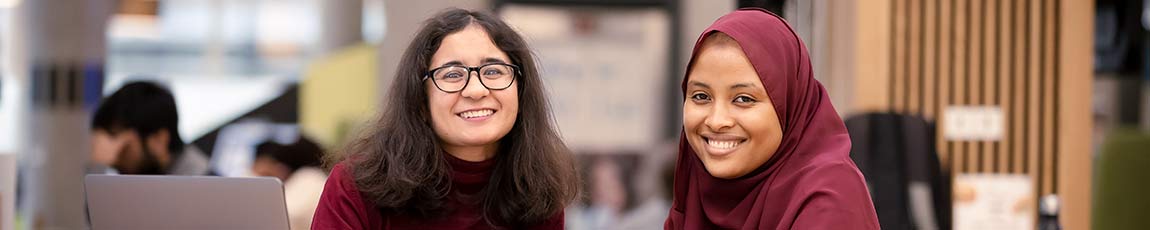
[(477, 142), (723, 174), (480, 140), (723, 170)]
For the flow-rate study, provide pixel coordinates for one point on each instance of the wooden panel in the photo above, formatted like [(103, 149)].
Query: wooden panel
[(900, 51), (914, 66), (1003, 70), (874, 22), (961, 67), (974, 79), (986, 88), (1074, 73), (946, 73), (1032, 113), (1048, 99), (929, 74), (1018, 84)]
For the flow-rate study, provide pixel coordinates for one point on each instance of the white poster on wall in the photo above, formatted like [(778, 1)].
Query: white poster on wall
[(973, 123), (605, 70), (994, 201)]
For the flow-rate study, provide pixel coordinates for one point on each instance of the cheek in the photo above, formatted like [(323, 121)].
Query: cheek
[(755, 125), (765, 131), (439, 107), (439, 104), (509, 100), (434, 96), (693, 115)]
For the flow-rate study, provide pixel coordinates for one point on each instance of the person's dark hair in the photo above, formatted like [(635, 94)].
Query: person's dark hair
[(268, 148), (300, 154), (144, 107), (304, 152), (398, 163)]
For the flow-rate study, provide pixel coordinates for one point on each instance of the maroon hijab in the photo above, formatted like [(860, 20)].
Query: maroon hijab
[(810, 182)]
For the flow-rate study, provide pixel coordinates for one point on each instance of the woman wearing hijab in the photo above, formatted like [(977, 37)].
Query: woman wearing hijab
[(465, 142), (762, 147)]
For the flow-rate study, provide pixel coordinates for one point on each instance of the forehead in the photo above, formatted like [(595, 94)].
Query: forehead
[(723, 64), (469, 46)]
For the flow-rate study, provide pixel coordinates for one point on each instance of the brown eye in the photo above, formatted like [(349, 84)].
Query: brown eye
[(700, 97), (744, 100)]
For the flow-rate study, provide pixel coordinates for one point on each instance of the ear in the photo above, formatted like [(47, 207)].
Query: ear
[(157, 143)]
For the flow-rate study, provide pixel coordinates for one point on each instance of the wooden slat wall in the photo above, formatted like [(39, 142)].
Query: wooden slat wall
[(982, 52), (1032, 58)]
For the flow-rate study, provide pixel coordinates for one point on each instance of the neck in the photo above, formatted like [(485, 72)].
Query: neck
[(473, 153)]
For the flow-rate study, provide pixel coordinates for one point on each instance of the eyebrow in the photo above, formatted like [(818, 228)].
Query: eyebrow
[(739, 85), (490, 60), (487, 60), (742, 85), (700, 84)]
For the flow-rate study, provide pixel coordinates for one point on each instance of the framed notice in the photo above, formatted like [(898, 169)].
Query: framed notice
[(994, 201), (605, 70)]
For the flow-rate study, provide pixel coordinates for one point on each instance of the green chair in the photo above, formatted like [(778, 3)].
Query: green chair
[(1122, 192)]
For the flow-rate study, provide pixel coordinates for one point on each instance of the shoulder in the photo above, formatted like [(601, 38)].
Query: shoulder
[(191, 161), (836, 178), (341, 182), (834, 188), (835, 174), (341, 206), (340, 170)]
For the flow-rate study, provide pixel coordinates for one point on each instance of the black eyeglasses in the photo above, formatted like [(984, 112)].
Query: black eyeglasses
[(453, 78)]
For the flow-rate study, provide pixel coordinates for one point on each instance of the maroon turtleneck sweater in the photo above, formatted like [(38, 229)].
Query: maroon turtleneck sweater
[(342, 207)]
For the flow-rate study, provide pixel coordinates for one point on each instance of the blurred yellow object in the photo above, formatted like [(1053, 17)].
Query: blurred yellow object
[(339, 92), (1120, 200)]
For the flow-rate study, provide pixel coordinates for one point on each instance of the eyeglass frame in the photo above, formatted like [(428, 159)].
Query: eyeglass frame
[(515, 74)]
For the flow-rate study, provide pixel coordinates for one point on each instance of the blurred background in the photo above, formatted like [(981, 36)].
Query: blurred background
[(964, 114)]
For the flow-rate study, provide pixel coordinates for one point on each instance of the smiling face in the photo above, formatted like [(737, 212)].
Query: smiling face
[(471, 122), (728, 117)]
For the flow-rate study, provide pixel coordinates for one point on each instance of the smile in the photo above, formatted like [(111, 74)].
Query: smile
[(724, 144), (472, 114)]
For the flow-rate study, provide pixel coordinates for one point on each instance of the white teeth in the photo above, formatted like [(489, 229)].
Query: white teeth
[(477, 113), (723, 144)]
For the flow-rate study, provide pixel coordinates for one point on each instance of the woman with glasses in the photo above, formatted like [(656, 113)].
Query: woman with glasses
[(762, 146), (465, 141)]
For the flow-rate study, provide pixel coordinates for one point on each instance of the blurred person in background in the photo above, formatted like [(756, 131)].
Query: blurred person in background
[(136, 131), (762, 146), (297, 165), (650, 211), (607, 194), (625, 190), (266, 163), (465, 141)]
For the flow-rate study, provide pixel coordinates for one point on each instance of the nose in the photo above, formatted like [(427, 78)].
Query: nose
[(474, 88), (719, 118)]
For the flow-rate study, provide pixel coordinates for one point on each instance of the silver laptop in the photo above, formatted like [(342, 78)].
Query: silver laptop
[(185, 202)]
